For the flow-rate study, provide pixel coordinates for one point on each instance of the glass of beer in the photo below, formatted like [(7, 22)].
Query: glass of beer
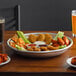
[(74, 23), (2, 23)]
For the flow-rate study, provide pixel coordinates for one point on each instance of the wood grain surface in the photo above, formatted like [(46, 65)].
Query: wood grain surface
[(24, 64)]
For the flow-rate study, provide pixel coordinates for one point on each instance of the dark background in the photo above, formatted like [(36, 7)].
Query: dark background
[(39, 14)]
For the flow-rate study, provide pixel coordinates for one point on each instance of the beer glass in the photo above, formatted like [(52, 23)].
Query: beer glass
[(74, 23)]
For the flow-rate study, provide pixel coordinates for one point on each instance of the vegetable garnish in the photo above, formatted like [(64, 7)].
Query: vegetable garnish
[(59, 34), (62, 46), (20, 48), (21, 34)]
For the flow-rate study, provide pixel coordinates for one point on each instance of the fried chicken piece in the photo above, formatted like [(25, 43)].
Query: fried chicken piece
[(35, 48), (52, 47), (41, 37), (32, 38), (43, 48), (48, 38), (15, 38), (20, 40), (21, 45), (12, 44), (30, 49)]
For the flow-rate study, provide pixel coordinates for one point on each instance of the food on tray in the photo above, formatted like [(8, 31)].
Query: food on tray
[(34, 48), (66, 40), (48, 38), (21, 34), (3, 58), (32, 38), (73, 61), (44, 48), (39, 42), (60, 41), (41, 37), (62, 46), (52, 47), (20, 48), (59, 34), (15, 38)]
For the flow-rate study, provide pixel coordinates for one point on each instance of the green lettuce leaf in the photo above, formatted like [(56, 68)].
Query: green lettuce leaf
[(59, 34), (62, 46)]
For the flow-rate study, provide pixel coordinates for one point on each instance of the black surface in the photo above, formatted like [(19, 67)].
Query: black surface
[(39, 14), (37, 74)]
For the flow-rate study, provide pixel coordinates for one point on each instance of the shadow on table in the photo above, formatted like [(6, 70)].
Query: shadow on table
[(37, 74), (34, 58), (71, 68)]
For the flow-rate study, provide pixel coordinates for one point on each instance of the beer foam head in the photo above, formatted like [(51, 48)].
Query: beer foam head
[(2, 20), (73, 12)]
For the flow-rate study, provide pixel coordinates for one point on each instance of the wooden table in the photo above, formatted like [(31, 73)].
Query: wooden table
[(30, 66)]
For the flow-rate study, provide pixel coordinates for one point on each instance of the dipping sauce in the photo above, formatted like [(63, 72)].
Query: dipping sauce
[(73, 61), (39, 43)]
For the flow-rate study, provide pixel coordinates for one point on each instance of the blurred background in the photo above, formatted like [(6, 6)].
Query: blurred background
[(37, 14)]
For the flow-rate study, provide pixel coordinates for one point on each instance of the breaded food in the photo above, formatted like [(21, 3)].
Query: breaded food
[(35, 48), (52, 47), (48, 38), (43, 48), (30, 49), (12, 44), (21, 45), (20, 40), (41, 37), (32, 38), (15, 38)]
